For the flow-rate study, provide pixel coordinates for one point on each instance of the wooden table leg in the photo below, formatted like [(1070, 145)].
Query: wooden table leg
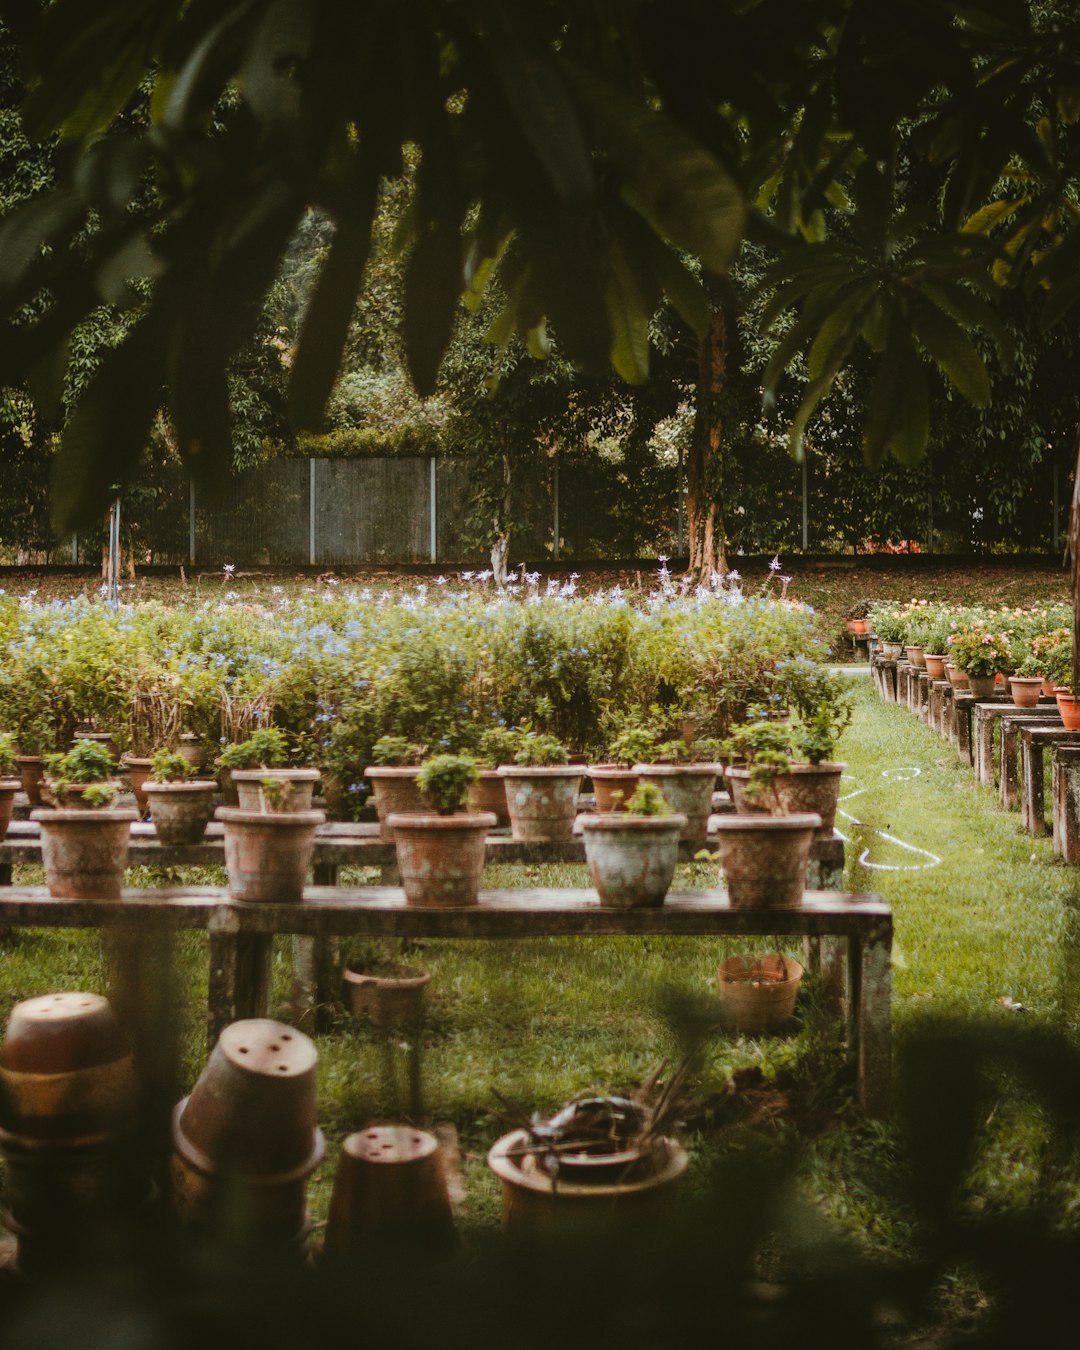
[(870, 978)]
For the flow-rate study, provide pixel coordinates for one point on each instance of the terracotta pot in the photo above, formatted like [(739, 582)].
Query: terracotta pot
[(8, 789), (609, 780), (252, 1111), (758, 992), (916, 656), (74, 792), (31, 774), (1048, 688), (856, 627), (1026, 690), (982, 686), (190, 749), (180, 811), (395, 789), (1069, 708), (935, 666), (441, 858), (268, 854), (102, 738), (892, 651), (394, 998), (84, 851), (805, 787), (250, 792), (61, 1188), (333, 795), (488, 793), (542, 800), (138, 768), (229, 795), (390, 1187), (631, 859), (764, 858), (955, 676), (534, 1203), (688, 790)]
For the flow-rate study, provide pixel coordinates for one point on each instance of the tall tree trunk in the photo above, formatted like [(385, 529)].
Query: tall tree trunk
[(1074, 560), (500, 549), (704, 522)]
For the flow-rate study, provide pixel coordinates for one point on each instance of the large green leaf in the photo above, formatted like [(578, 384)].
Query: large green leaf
[(433, 282), (838, 333), (972, 311), (32, 226), (954, 352), (629, 321), (197, 386), (910, 428)]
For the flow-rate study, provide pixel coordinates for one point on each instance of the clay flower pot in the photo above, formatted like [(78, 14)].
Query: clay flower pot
[(892, 651), (440, 858), (31, 775), (609, 779), (1068, 707), (250, 792), (631, 859), (138, 770), (764, 858), (1048, 688), (856, 627), (190, 749), (688, 790), (804, 787), (8, 789), (542, 800), (182, 810), (758, 993), (982, 686), (935, 666), (488, 793), (390, 998), (1025, 689), (916, 656), (394, 788), (84, 851), (955, 676), (389, 1187), (267, 854)]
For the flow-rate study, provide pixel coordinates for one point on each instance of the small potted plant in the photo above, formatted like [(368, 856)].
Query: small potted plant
[(934, 632), (395, 765), (1053, 650), (10, 782), (268, 850), (181, 805), (495, 746), (85, 837), (685, 771), (982, 655), (264, 756), (758, 992), (890, 628), (440, 852), (614, 781), (631, 853), (542, 789), (858, 618), (1026, 681)]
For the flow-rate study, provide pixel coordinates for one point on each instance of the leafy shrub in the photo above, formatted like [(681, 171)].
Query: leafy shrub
[(169, 767), (647, 800), (445, 781), (537, 750), (391, 751)]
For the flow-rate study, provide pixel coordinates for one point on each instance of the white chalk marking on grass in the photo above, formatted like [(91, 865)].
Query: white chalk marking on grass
[(904, 775), (900, 775)]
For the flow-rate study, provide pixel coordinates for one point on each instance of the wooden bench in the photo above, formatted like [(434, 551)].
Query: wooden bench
[(985, 715), (240, 937)]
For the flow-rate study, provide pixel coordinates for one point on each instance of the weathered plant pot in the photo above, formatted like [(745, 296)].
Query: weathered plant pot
[(688, 790), (394, 788), (390, 998), (488, 793), (955, 676), (764, 858), (915, 655), (542, 800), (804, 787), (613, 786), (758, 993), (268, 854), (535, 1204), (1025, 690), (440, 858), (1048, 688), (333, 795), (892, 651), (1069, 708), (8, 789), (74, 792), (856, 627), (252, 798), (180, 811), (84, 851), (138, 770), (102, 738), (229, 795), (189, 748), (631, 859), (31, 775), (935, 666), (389, 1187), (982, 686)]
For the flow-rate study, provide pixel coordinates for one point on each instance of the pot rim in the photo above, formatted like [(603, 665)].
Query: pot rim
[(391, 770), (827, 768), (611, 770), (202, 1162), (622, 823), (57, 814), (293, 775), (505, 1167), (672, 770), (429, 820), (181, 785), (732, 824), (354, 973), (542, 770), (10, 784), (237, 815)]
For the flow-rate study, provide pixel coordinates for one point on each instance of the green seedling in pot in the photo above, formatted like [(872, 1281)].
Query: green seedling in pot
[(168, 767), (445, 781)]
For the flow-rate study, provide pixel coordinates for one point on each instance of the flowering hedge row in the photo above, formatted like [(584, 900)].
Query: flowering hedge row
[(338, 668), (981, 640)]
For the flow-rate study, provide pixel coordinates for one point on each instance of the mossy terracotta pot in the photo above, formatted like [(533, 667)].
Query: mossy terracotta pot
[(764, 858), (892, 651), (916, 656), (84, 851), (688, 790), (542, 800), (394, 789), (613, 786), (982, 686), (440, 858), (8, 789), (31, 775), (804, 787), (389, 1188), (268, 854), (138, 771), (393, 997), (631, 859), (251, 795), (758, 993), (180, 811), (488, 793), (189, 748)]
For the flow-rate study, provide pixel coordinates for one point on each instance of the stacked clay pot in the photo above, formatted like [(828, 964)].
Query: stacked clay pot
[(245, 1141), (75, 1177)]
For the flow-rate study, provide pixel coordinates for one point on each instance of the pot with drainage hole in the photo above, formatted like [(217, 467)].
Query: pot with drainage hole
[(246, 1139)]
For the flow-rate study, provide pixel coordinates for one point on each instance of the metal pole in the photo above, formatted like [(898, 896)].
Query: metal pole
[(555, 506), (680, 507), (1057, 509), (114, 556), (75, 545), (191, 523), (805, 504), (432, 510), (311, 512)]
